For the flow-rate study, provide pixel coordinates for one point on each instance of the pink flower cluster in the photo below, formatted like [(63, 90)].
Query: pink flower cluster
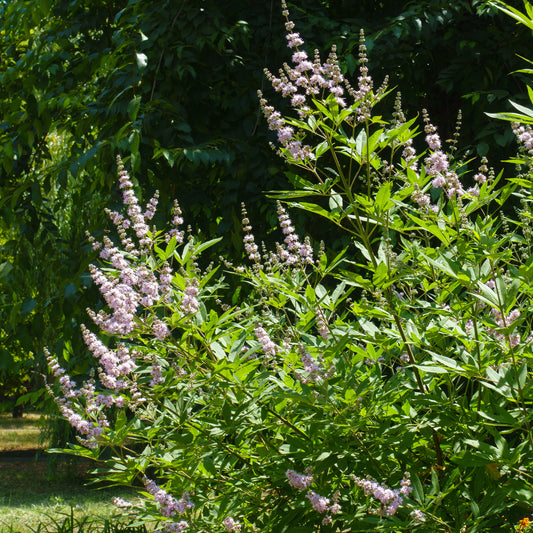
[(129, 285), (269, 348), (119, 502), (308, 78), (114, 364), (294, 251), (276, 122), (365, 83), (176, 527), (322, 505), (249, 242), (322, 324), (299, 481), (177, 221), (314, 369), (480, 177), (409, 155), (231, 525), (319, 503), (160, 329), (311, 77), (504, 321), (121, 298), (156, 373), (524, 135), (437, 164), (190, 304), (133, 285), (168, 505), (91, 427), (390, 499), (134, 211)]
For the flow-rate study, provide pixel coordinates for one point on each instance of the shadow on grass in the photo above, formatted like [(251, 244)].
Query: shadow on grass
[(31, 500), (26, 481)]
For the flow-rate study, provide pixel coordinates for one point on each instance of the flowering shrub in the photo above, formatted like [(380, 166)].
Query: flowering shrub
[(383, 388)]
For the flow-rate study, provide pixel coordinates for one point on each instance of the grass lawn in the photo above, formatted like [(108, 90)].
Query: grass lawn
[(21, 433), (32, 500)]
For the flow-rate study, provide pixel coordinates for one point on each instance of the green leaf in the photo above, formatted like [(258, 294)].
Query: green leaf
[(383, 200), (5, 269), (69, 290), (527, 111), (514, 13), (487, 295), (323, 109), (380, 274), (500, 417), (199, 248), (28, 305), (432, 369), (512, 117), (335, 216), (418, 489), (447, 362), (335, 200), (447, 265), (432, 228), (133, 107), (321, 148)]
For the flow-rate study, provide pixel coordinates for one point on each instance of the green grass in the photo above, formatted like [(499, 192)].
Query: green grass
[(35, 499), (21, 433), (30, 498)]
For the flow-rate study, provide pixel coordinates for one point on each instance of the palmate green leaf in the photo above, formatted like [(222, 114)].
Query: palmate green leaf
[(311, 124), (381, 274), (468, 458), (356, 280), (490, 192), (502, 381), (168, 251)]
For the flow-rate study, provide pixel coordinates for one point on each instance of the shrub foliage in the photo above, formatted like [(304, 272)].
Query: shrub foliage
[(386, 387)]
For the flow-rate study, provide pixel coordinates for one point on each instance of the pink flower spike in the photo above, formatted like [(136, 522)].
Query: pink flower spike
[(231, 525)]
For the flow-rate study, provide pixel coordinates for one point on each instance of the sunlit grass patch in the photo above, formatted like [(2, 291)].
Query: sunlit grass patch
[(21, 433)]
